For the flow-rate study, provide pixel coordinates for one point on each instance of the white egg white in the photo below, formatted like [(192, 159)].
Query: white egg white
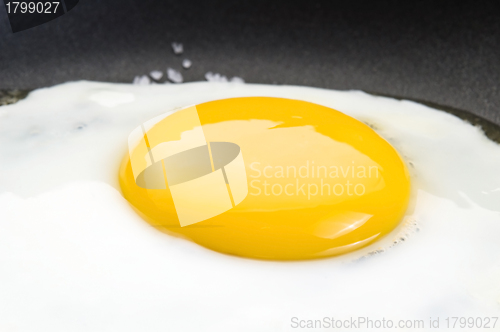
[(74, 256)]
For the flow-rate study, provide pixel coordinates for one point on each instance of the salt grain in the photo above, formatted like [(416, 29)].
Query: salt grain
[(237, 79), (186, 63), (178, 48), (215, 77), (141, 80), (174, 75), (156, 74)]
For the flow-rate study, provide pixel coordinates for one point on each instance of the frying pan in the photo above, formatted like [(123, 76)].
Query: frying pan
[(445, 54), (442, 53)]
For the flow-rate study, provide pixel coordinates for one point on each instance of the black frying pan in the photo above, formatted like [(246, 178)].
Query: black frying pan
[(440, 52)]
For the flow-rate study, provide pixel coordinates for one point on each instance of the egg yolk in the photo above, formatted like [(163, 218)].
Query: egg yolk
[(266, 178)]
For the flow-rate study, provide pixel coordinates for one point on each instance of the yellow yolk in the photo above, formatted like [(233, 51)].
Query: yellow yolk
[(315, 182)]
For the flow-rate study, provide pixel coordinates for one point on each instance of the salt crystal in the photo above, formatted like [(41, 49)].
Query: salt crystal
[(156, 74), (141, 80), (215, 77), (178, 48), (237, 79), (186, 63), (174, 75)]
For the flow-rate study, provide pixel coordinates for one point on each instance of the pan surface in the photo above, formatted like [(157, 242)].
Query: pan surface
[(440, 52)]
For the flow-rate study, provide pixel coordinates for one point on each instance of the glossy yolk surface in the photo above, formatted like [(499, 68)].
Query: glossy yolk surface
[(320, 183)]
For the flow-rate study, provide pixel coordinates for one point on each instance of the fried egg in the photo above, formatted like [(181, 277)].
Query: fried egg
[(78, 249)]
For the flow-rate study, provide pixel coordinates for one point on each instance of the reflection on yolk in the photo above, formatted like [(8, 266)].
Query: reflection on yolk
[(320, 183)]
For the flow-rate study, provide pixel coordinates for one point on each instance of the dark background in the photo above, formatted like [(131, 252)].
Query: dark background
[(446, 52)]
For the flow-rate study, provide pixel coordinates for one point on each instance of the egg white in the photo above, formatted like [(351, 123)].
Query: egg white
[(74, 256)]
